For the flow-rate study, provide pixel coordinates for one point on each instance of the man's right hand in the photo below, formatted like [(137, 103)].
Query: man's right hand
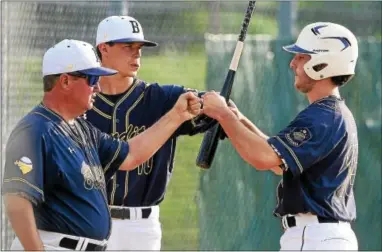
[(187, 107)]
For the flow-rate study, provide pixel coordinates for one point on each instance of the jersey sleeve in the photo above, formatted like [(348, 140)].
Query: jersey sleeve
[(304, 142), (24, 164), (112, 152), (171, 93)]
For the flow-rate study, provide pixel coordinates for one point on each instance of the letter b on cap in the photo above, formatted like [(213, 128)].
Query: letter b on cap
[(135, 26)]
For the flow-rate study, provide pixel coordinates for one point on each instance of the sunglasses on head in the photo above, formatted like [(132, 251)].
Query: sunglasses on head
[(92, 79)]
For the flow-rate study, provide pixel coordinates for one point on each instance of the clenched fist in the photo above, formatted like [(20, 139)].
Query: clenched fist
[(214, 105), (188, 106)]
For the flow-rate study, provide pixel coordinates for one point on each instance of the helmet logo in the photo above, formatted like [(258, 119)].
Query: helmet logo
[(315, 29), (344, 41), (320, 50)]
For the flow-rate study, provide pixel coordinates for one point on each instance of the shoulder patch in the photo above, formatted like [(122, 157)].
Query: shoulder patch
[(297, 136), (25, 165)]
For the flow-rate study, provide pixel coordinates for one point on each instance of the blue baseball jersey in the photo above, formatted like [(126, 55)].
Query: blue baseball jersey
[(127, 115), (319, 150), (58, 167)]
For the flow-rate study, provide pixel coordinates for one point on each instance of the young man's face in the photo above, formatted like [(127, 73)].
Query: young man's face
[(123, 57), (302, 81)]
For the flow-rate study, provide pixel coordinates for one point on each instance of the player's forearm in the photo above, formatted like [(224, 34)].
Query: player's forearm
[(252, 147), (143, 146), (21, 217), (252, 127)]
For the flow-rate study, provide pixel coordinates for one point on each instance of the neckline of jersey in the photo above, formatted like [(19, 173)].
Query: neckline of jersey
[(329, 97)]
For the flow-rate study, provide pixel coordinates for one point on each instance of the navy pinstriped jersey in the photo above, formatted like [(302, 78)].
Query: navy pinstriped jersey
[(58, 167), (320, 153), (125, 116)]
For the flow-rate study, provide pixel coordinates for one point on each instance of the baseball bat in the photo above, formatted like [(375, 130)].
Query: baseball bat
[(211, 137)]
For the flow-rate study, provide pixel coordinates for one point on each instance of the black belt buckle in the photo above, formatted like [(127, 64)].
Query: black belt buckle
[(120, 213), (124, 213), (70, 243)]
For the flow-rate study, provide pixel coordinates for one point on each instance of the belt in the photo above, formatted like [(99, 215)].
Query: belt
[(70, 243), (290, 221), (124, 213)]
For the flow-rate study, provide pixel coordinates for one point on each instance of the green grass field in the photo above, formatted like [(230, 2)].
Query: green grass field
[(179, 214)]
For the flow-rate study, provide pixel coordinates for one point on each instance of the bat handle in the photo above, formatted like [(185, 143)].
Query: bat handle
[(208, 148)]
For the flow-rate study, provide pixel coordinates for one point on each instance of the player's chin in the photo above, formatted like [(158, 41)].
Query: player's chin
[(298, 87), (302, 88), (133, 71)]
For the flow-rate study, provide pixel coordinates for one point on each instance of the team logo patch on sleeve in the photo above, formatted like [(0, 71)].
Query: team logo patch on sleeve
[(25, 165), (297, 136)]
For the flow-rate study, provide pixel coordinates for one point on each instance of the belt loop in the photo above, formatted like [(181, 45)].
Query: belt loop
[(133, 213), (139, 213), (79, 243), (283, 221), (85, 244)]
